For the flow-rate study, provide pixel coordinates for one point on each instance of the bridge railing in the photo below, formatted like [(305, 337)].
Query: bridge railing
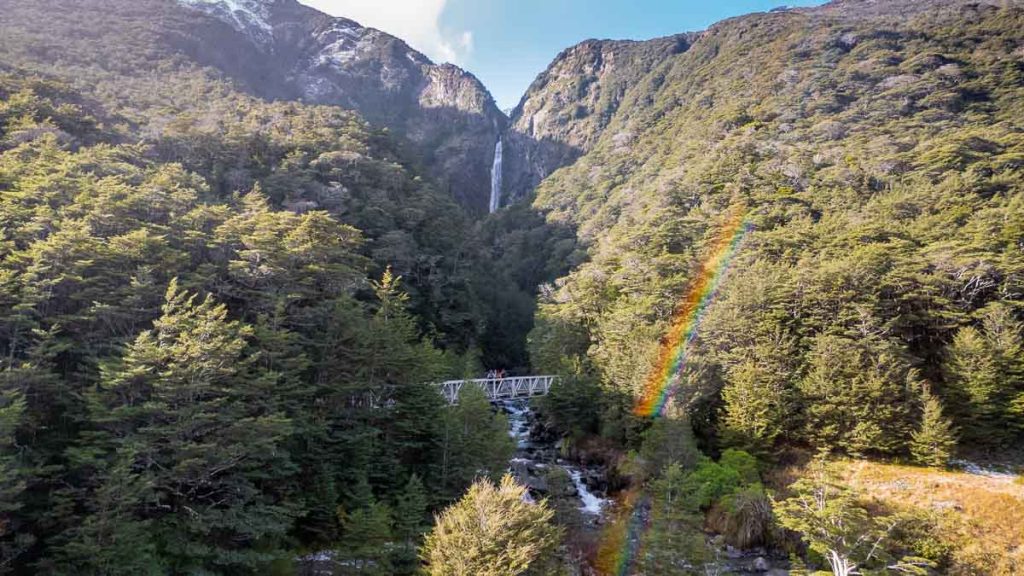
[(510, 388)]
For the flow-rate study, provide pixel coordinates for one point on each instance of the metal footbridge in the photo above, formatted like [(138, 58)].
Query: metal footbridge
[(511, 388)]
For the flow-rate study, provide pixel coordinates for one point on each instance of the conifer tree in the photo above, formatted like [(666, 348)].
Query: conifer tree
[(13, 540), (410, 511), (669, 441), (492, 531), (397, 360), (188, 413), (857, 396), (934, 441), (474, 441), (985, 374), (829, 518), (674, 543), (756, 407), (366, 533), (409, 522)]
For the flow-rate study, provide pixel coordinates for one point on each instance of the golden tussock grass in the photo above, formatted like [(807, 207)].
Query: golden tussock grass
[(983, 516)]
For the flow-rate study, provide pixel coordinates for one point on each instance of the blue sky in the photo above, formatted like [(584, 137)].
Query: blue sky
[(506, 43)]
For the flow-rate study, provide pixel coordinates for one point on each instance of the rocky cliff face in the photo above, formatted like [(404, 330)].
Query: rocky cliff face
[(446, 115), (569, 105), (278, 50)]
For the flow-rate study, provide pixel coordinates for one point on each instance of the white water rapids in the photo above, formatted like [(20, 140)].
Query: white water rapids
[(529, 457)]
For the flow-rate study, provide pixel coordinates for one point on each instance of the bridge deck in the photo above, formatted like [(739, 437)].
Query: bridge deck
[(501, 388)]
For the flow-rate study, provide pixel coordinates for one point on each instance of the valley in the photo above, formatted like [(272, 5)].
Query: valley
[(763, 284)]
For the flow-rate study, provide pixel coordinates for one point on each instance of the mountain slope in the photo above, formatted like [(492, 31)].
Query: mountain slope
[(877, 149), (147, 56), (569, 105)]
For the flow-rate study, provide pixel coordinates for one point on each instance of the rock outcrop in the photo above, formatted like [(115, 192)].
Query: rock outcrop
[(569, 105), (276, 50)]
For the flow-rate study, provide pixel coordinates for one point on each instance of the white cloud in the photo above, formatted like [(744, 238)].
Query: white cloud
[(418, 22)]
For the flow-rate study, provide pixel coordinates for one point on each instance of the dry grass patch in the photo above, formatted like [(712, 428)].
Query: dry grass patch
[(983, 517)]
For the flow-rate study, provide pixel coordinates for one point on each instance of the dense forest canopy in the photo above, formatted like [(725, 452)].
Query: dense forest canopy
[(260, 276), (881, 165), (221, 314)]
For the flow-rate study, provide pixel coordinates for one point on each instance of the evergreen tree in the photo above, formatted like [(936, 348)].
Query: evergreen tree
[(474, 441), (828, 517), (757, 407), (410, 511), (858, 396), (985, 373), (492, 531), (674, 543), (115, 538), (668, 441), (409, 523), (197, 447), (932, 444), (366, 534), (13, 540), (404, 366)]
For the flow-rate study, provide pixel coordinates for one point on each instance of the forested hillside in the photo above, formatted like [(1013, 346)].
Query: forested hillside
[(780, 273), (198, 334), (880, 161), (155, 59), (874, 309)]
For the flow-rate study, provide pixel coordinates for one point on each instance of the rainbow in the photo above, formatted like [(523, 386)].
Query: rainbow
[(664, 378), (621, 538), (631, 546)]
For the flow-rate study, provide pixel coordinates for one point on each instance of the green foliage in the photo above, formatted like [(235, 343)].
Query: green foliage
[(305, 388), (574, 406), (194, 453), (668, 441), (754, 417), (366, 533), (915, 536), (731, 488), (710, 482), (834, 525), (474, 442), (491, 531), (858, 396), (886, 214), (410, 521), (410, 510), (12, 482), (674, 542), (934, 441), (284, 376), (986, 377)]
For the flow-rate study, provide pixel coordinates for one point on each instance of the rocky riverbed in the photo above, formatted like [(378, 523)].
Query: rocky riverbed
[(579, 494), (538, 464)]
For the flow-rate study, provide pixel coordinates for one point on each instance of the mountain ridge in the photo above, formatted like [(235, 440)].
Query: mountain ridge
[(444, 114)]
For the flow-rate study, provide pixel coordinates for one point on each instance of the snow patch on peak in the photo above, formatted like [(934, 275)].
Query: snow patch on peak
[(342, 41), (251, 17)]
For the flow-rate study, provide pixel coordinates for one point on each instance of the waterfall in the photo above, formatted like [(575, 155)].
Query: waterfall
[(536, 457), (591, 504), (496, 178)]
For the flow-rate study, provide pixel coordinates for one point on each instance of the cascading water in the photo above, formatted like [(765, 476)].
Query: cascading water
[(590, 503), (533, 459), (496, 178)]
